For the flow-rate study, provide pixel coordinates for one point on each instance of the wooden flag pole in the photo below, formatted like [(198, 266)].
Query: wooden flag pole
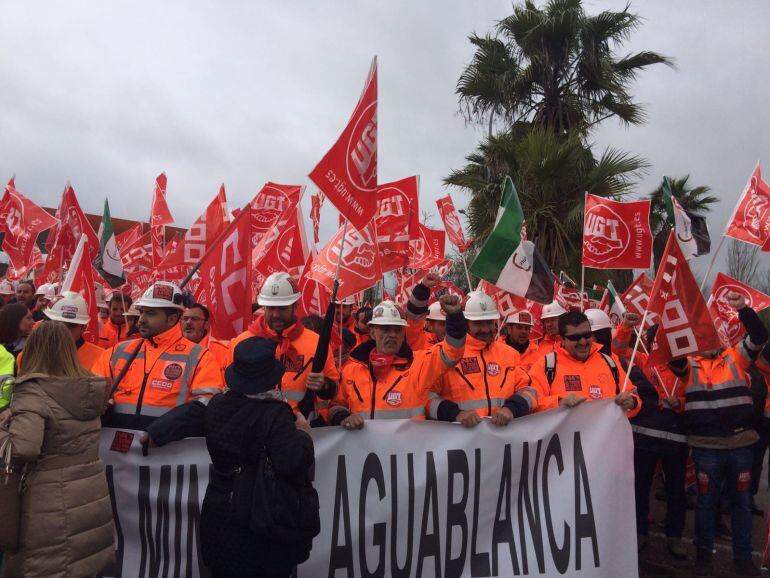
[(467, 273), (711, 265), (633, 352)]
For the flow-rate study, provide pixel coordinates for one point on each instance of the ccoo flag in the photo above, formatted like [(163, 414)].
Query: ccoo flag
[(691, 229), (510, 262)]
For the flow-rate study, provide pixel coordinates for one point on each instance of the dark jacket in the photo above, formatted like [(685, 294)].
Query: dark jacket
[(230, 549)]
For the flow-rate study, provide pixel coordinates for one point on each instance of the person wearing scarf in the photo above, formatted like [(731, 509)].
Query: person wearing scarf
[(295, 345)]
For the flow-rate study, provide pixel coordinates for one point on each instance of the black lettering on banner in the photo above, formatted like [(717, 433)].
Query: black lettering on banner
[(162, 523), (502, 529), (479, 560), (406, 570), (341, 556), (372, 471), (530, 504), (178, 521), (193, 525), (560, 555), (430, 544), (115, 569), (145, 520), (457, 464), (585, 525)]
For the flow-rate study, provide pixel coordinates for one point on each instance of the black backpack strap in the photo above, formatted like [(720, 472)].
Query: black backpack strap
[(550, 367), (614, 369)]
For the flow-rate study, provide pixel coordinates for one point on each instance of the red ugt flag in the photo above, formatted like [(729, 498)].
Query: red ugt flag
[(359, 262), (267, 207), (426, 249), (347, 174), (200, 236), (637, 297), (685, 326), (729, 327), (750, 222), (72, 224), (225, 279), (22, 222), (454, 228), (616, 235), (397, 220), (80, 279), (159, 216)]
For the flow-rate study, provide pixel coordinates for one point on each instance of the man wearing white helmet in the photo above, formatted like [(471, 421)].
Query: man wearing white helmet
[(161, 370), (297, 345), (426, 323), (550, 318), (519, 328), (72, 310), (6, 291), (489, 380), (384, 379)]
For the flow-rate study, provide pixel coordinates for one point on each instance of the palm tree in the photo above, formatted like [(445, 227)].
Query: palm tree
[(551, 173), (694, 199), (555, 67)]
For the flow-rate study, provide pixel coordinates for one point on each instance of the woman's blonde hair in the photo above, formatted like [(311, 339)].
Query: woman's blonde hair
[(50, 350)]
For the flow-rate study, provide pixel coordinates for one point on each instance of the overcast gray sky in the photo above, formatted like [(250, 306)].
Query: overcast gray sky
[(109, 94)]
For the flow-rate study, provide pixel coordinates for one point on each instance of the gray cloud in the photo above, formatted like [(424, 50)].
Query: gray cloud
[(110, 94)]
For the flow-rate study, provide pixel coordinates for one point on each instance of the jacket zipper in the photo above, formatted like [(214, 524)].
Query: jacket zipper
[(395, 383), (486, 383), (374, 392), (141, 395), (461, 374)]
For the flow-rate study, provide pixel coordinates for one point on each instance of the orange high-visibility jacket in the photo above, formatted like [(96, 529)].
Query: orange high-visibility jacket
[(486, 377), (403, 393), (220, 351), (168, 371), (416, 336), (530, 355), (111, 334), (548, 343), (294, 382), (590, 379)]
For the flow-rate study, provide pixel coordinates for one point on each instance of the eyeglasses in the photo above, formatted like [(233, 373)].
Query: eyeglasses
[(578, 336)]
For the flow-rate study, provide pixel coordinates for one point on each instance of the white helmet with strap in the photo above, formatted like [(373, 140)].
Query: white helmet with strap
[(551, 310), (132, 311), (346, 301), (435, 312), (162, 294), (387, 313), (480, 307), (278, 290), (71, 308), (522, 317), (598, 319), (6, 288), (42, 289)]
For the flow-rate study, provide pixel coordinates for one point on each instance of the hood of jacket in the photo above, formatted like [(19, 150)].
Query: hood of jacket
[(84, 398)]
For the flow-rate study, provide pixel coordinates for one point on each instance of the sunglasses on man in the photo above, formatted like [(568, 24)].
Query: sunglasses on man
[(578, 336)]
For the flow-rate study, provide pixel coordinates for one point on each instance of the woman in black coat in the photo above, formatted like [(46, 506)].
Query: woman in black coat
[(234, 423)]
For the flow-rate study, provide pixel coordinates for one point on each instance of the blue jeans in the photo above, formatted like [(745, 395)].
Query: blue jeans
[(733, 469)]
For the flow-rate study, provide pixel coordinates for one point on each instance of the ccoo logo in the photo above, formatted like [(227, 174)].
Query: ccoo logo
[(605, 235)]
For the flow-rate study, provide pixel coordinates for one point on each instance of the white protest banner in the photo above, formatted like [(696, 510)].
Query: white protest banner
[(549, 494)]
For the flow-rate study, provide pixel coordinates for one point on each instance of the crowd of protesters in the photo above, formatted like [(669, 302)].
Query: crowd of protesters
[(155, 367)]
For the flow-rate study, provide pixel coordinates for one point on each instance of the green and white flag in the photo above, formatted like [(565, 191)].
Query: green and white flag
[(691, 229), (108, 261), (617, 309), (508, 260)]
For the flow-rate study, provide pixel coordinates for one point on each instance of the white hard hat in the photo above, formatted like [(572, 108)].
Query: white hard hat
[(132, 311), (480, 307), (99, 292), (42, 289), (598, 319), (71, 308), (6, 288), (386, 313), (435, 312), (161, 294), (346, 301), (553, 309), (51, 291), (522, 317), (278, 290)]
